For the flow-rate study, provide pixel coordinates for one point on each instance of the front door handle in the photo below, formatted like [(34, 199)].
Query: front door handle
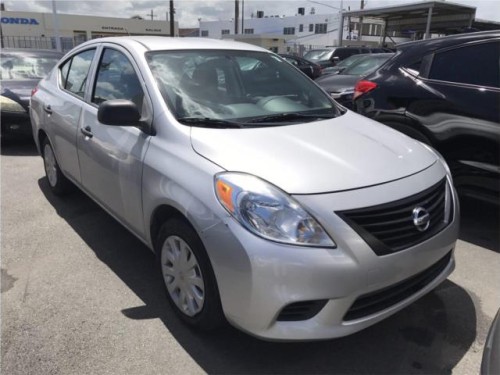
[(48, 109), (87, 131)]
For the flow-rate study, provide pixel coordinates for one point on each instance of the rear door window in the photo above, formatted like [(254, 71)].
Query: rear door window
[(476, 65), (75, 71), (344, 53)]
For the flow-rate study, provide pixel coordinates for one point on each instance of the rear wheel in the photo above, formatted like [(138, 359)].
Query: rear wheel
[(58, 183), (188, 275)]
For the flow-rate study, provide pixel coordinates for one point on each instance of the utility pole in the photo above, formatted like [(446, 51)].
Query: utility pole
[(340, 30), (172, 22), (360, 30), (2, 8), (236, 15), (55, 21), (242, 16)]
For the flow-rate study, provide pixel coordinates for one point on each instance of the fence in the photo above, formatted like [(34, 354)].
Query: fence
[(39, 42), (300, 49)]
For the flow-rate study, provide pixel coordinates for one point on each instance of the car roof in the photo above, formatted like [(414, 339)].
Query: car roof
[(427, 45), (412, 52), (161, 43)]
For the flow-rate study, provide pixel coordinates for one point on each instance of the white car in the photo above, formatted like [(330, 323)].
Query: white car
[(267, 204)]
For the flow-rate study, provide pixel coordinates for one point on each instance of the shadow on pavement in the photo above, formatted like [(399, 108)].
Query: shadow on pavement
[(430, 336), (18, 146), (480, 223)]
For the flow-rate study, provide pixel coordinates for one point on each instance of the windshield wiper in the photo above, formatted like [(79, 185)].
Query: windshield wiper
[(290, 116), (209, 122)]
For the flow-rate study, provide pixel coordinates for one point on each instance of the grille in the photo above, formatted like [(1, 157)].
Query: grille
[(301, 310), (390, 227), (379, 300)]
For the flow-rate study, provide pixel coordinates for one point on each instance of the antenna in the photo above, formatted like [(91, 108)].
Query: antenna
[(152, 15)]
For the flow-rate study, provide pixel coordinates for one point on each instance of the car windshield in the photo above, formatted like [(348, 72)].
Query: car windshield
[(236, 86), (21, 65), (318, 55), (349, 61), (367, 64)]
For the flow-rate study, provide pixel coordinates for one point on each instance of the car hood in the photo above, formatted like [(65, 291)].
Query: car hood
[(18, 90), (337, 83), (348, 152)]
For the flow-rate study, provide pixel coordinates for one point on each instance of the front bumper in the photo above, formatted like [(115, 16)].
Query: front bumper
[(257, 279)]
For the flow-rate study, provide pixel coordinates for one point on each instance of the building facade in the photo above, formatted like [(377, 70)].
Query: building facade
[(36, 30), (314, 30)]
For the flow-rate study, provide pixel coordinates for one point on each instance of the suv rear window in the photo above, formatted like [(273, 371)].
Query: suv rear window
[(477, 65), (344, 53)]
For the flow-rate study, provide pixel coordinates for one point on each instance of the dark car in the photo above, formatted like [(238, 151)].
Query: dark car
[(327, 57), (310, 69), (445, 92), (344, 64), (21, 69), (490, 364), (341, 86)]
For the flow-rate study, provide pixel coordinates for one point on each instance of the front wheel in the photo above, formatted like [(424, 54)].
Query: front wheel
[(188, 275), (58, 183)]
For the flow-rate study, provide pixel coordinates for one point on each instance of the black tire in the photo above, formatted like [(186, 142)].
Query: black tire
[(58, 183), (207, 315)]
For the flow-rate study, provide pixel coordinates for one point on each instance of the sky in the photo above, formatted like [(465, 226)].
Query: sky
[(188, 12)]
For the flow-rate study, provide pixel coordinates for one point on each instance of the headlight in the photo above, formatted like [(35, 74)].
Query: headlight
[(10, 105), (268, 212)]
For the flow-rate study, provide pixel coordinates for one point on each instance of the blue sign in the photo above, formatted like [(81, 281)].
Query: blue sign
[(19, 21)]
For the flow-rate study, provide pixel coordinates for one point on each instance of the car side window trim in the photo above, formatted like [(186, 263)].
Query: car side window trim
[(425, 66), (455, 83), (147, 107), (70, 58), (131, 60)]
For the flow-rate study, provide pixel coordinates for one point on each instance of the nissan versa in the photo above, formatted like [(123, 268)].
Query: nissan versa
[(268, 205)]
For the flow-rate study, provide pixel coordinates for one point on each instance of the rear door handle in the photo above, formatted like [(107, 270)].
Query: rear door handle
[(87, 131), (48, 109)]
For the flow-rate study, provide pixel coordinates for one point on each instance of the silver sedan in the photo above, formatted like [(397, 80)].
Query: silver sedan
[(268, 205)]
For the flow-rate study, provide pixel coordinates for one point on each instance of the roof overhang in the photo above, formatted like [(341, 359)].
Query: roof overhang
[(436, 17)]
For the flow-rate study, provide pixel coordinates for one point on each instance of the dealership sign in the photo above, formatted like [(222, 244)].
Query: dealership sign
[(19, 21)]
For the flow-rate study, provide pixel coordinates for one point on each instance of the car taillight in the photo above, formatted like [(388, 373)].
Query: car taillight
[(33, 92), (362, 87)]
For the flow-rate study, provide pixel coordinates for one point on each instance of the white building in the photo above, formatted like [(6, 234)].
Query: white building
[(310, 30), (36, 30)]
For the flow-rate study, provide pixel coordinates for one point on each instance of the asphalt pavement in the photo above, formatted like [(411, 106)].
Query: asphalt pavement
[(81, 295)]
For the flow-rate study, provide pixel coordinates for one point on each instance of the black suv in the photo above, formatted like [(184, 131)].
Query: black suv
[(445, 92), (327, 57)]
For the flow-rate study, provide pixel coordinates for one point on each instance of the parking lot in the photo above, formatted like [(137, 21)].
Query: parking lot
[(80, 295)]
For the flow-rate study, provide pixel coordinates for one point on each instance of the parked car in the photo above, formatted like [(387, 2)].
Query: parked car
[(342, 65), (490, 363), (445, 92), (310, 69), (266, 203), (20, 70), (341, 86), (328, 57)]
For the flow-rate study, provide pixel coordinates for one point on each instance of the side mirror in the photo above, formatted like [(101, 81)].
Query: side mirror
[(336, 59), (119, 112)]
